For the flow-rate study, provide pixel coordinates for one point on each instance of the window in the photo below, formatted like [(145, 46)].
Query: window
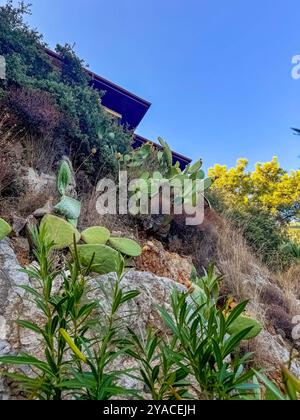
[(113, 114)]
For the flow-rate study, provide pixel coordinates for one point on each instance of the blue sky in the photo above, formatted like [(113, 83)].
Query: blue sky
[(218, 73)]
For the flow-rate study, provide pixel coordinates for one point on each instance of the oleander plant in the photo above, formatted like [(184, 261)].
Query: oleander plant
[(198, 357)]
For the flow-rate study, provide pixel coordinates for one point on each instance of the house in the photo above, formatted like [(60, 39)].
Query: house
[(124, 105)]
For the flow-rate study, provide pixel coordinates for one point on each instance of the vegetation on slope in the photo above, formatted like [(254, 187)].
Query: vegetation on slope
[(54, 111), (261, 203), (56, 103)]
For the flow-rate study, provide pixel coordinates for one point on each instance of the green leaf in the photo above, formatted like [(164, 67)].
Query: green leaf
[(69, 208), (105, 258), (243, 322), (26, 360), (234, 341), (51, 361), (129, 295), (270, 386), (30, 290), (236, 312), (126, 246), (85, 310), (217, 354), (207, 183), (146, 380), (196, 166), (155, 373), (64, 177), (58, 231), (30, 326), (95, 235), (152, 347), (72, 345), (5, 229), (168, 320), (54, 324)]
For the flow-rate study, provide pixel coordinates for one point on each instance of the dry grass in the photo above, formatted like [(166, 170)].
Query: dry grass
[(41, 153), (217, 241), (200, 242), (123, 224), (9, 135), (289, 281), (23, 205), (273, 297), (238, 263)]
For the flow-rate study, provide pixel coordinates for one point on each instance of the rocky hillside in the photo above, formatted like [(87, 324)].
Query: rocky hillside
[(134, 306), (154, 274)]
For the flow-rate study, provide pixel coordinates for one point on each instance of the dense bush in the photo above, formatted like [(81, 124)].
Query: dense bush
[(81, 345), (35, 109), (31, 74), (9, 165), (263, 234), (269, 187)]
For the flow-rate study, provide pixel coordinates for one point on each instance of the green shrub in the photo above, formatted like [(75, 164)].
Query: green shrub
[(34, 78), (294, 231), (291, 249), (264, 235), (79, 350), (201, 341), (67, 320)]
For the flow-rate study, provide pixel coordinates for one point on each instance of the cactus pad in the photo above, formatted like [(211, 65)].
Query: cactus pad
[(59, 231), (5, 229), (105, 258), (126, 246), (95, 235)]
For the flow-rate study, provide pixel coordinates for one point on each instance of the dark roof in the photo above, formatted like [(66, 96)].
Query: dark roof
[(131, 107)]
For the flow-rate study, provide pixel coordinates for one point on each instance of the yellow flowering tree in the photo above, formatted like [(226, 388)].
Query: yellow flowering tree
[(268, 187)]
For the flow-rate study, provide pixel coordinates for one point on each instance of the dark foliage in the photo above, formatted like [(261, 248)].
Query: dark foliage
[(281, 320), (86, 125), (264, 234), (35, 109)]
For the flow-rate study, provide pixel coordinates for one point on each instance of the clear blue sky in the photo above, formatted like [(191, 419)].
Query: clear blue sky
[(218, 72)]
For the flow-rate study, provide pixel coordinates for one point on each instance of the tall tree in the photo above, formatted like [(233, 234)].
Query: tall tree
[(268, 187)]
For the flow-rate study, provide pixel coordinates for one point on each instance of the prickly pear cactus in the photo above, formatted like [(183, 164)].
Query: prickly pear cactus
[(95, 235), (67, 207), (167, 153), (59, 231), (136, 158), (126, 246), (64, 177), (5, 229), (173, 174), (104, 259), (243, 322)]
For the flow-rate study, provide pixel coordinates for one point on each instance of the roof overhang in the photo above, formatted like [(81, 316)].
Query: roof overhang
[(129, 107), (132, 108)]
